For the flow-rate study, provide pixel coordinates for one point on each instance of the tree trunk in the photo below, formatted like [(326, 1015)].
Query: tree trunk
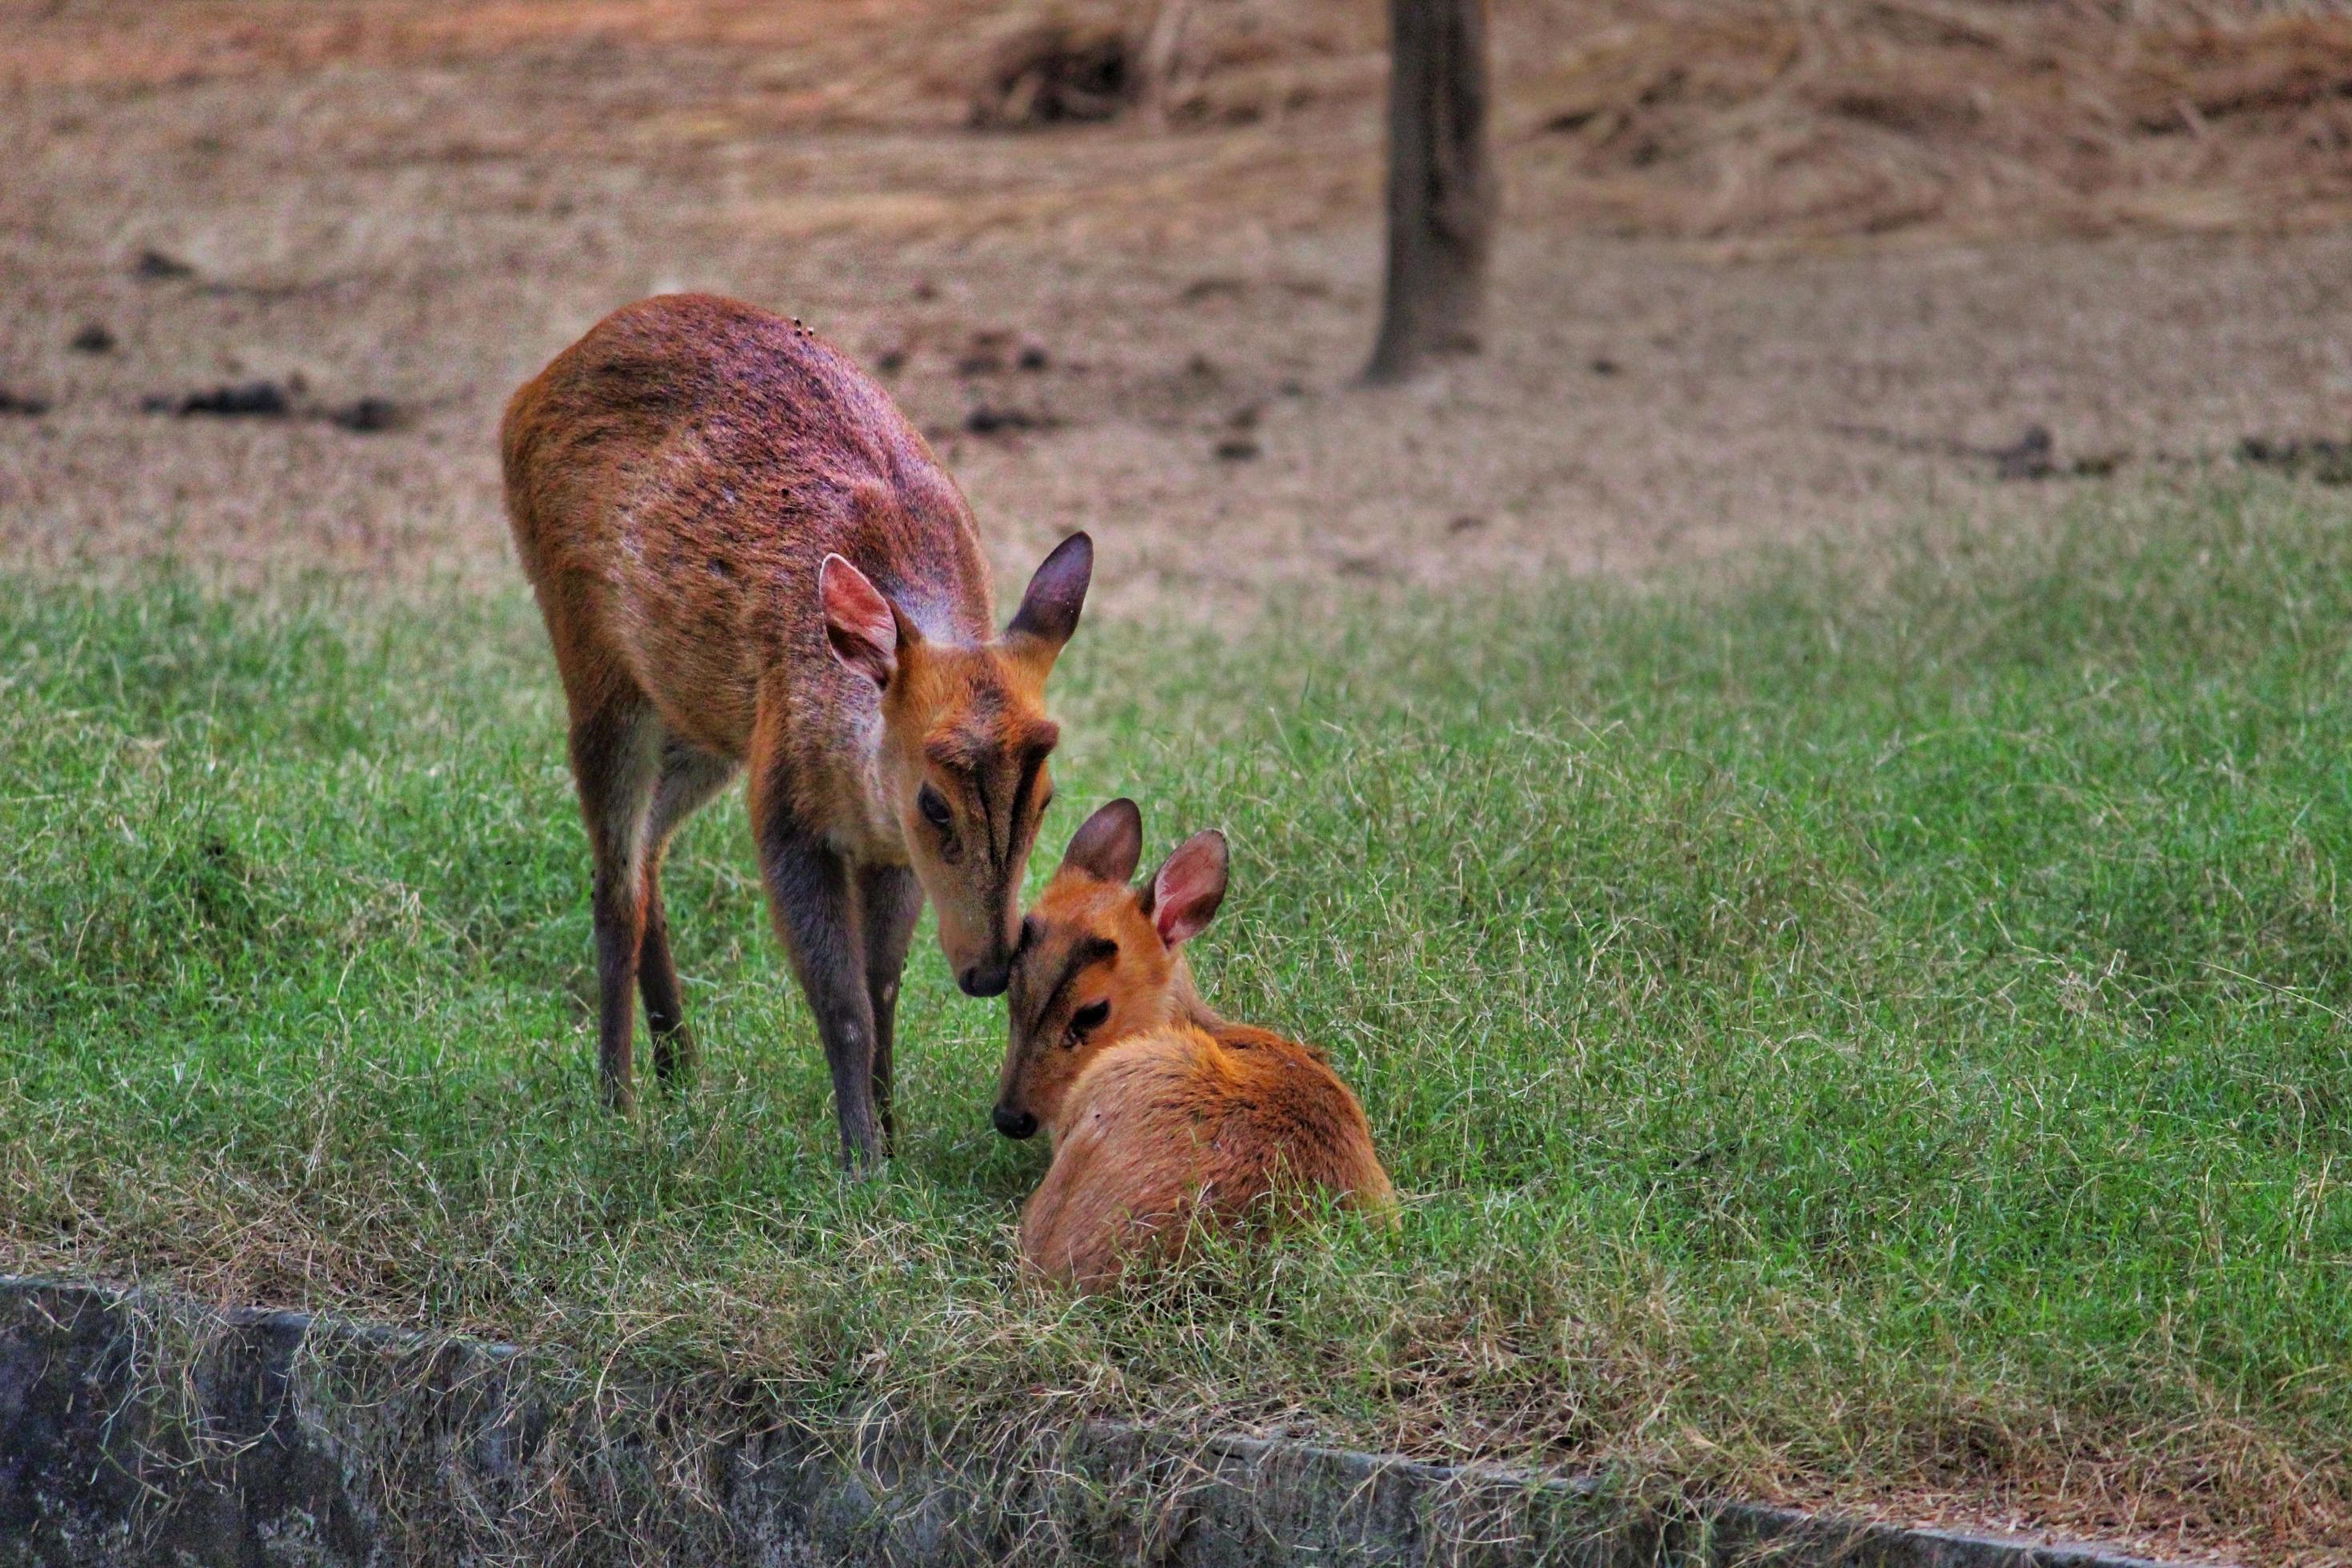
[(1440, 184), (1163, 50)]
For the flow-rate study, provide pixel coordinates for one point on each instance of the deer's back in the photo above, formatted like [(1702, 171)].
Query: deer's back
[(1232, 1127), (675, 479)]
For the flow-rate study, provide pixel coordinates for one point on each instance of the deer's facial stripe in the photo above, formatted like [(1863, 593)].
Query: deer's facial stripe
[(988, 819), (1084, 955), (1033, 763)]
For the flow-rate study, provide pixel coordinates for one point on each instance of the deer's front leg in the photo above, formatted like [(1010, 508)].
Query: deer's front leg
[(889, 900), (811, 892)]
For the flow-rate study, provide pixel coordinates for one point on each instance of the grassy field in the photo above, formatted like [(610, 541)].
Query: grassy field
[(1874, 1031)]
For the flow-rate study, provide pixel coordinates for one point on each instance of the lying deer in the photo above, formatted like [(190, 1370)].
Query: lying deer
[(749, 560), (1162, 1112)]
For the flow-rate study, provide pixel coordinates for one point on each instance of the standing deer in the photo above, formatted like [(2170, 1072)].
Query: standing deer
[(748, 559), (1162, 1113)]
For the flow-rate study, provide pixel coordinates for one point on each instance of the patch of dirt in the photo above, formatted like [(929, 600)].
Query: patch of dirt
[(1766, 271)]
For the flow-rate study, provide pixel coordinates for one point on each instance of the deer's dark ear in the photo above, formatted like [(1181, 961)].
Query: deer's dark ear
[(1107, 845), (859, 623), (1189, 886), (1049, 609)]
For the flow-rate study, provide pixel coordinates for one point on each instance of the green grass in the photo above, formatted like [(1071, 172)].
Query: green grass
[(1841, 1035)]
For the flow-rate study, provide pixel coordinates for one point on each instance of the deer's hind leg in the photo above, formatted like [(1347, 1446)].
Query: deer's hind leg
[(689, 777), (615, 744)]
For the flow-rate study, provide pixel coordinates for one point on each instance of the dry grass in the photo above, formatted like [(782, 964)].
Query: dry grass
[(1867, 118), (1747, 118)]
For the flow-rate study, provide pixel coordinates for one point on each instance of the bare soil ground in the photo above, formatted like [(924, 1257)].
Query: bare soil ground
[(1766, 271)]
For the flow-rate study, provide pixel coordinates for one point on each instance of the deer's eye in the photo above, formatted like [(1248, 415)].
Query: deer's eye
[(934, 809), (1088, 1018)]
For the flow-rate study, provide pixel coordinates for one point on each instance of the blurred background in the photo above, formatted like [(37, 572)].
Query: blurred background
[(1763, 268)]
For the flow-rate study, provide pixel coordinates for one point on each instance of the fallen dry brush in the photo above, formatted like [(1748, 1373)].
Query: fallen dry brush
[(1727, 119), (1776, 118), (1861, 117)]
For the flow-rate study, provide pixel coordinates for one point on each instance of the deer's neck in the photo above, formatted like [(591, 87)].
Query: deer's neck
[(853, 787), (1185, 1002)]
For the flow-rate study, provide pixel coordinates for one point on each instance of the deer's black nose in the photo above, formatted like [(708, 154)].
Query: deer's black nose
[(984, 979), (1014, 1124)]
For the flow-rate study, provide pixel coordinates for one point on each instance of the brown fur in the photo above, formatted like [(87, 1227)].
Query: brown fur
[(1162, 1114), (677, 481)]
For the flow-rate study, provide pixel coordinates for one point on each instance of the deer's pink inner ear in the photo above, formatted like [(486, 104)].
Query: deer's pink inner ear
[(1189, 888), (857, 621)]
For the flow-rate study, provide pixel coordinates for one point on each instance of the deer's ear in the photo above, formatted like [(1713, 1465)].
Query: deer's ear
[(1107, 845), (1189, 886), (859, 623), (1049, 609)]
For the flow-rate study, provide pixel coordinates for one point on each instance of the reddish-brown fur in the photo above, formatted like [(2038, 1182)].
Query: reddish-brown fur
[(1163, 1115), (749, 560)]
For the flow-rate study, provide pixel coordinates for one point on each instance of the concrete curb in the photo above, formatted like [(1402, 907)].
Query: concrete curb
[(137, 1427)]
